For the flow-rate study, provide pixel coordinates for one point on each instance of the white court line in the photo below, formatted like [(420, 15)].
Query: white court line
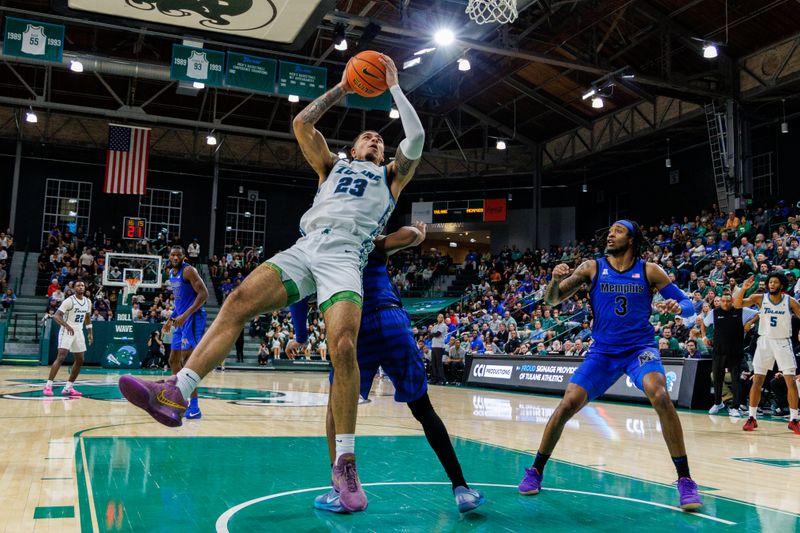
[(89, 492), (224, 518)]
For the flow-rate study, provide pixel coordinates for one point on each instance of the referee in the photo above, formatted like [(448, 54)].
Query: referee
[(438, 333), (728, 349)]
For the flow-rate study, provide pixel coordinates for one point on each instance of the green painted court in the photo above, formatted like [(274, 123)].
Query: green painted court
[(242, 484)]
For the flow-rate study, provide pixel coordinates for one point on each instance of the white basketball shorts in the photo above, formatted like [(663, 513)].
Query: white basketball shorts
[(768, 351), (72, 343)]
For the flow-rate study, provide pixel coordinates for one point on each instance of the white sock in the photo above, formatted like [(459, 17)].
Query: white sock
[(345, 443), (188, 380), (69, 385), (753, 412), (793, 414), (49, 384)]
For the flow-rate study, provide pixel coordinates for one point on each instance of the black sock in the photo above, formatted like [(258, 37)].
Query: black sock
[(438, 438), (540, 462), (682, 466)]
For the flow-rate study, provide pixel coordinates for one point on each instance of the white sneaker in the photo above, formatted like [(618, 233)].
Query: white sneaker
[(734, 412), (715, 408)]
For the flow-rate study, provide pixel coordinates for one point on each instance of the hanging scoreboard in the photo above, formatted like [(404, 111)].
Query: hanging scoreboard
[(133, 228), (492, 210)]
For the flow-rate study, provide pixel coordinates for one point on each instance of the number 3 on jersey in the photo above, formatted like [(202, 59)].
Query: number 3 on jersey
[(358, 186), (622, 305)]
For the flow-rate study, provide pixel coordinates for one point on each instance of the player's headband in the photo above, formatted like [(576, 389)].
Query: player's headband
[(627, 224)]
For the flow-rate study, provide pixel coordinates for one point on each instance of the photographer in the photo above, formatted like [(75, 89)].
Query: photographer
[(155, 352)]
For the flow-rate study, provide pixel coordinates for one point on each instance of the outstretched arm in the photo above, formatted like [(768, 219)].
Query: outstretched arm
[(409, 152), (311, 141), (405, 237), (562, 286), (740, 301)]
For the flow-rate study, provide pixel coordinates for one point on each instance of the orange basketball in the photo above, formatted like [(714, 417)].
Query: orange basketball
[(365, 74)]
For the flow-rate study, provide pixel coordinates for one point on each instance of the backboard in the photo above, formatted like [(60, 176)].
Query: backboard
[(148, 268)]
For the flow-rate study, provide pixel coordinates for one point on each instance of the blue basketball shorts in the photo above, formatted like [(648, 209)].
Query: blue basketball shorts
[(187, 336), (601, 370), (385, 340)]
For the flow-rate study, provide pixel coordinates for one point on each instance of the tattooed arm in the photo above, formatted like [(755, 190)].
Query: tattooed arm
[(562, 286), (311, 141)]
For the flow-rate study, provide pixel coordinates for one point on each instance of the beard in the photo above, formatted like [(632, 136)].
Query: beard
[(616, 252), (776, 291)]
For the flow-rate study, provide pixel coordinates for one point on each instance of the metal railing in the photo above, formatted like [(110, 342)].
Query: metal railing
[(15, 320)]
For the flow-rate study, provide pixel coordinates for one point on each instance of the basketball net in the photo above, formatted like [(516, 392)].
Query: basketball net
[(131, 284), (489, 11)]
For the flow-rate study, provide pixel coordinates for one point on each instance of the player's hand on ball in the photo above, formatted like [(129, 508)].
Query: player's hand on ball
[(391, 71), (344, 85), (561, 271), (293, 348)]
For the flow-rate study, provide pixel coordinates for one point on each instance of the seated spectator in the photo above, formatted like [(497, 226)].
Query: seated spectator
[(580, 348), (664, 348), (8, 298), (585, 333), (263, 354), (672, 342), (569, 348), (691, 350), (455, 358), (53, 287), (538, 333), (555, 348), (513, 343)]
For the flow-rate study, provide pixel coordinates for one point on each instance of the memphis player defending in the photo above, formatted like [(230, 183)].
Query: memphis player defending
[(621, 288), (352, 204), (774, 342), (188, 319), (385, 341), (72, 315)]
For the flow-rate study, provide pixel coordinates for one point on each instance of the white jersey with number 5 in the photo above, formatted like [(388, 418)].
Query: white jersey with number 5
[(355, 199), (775, 321), (75, 311)]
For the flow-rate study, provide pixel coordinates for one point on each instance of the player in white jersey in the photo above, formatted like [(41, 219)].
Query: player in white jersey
[(774, 342), (353, 202), (72, 315)]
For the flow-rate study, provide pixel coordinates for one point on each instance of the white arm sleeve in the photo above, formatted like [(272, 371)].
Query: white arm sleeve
[(414, 142)]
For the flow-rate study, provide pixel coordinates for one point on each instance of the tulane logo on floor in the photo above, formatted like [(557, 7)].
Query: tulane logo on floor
[(109, 391)]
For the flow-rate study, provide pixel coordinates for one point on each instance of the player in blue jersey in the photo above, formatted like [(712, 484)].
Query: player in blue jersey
[(189, 317), (621, 286), (385, 340)]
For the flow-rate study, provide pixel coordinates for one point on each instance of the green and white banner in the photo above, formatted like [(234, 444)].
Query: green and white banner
[(198, 65), (33, 40)]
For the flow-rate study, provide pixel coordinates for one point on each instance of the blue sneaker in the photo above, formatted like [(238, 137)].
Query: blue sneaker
[(468, 499), (193, 411), (532, 482), (329, 502)]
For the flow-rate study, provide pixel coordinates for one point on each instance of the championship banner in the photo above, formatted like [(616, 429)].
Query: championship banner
[(251, 73)]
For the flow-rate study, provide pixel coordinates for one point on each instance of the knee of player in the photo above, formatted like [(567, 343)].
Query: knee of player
[(345, 347), (658, 395)]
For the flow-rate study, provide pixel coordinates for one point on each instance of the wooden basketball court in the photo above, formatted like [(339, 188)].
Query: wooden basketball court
[(258, 457)]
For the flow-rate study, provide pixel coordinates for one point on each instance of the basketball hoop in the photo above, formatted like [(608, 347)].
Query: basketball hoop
[(131, 284), (489, 11)]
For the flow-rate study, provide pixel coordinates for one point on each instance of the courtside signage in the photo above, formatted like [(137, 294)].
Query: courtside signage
[(33, 40)]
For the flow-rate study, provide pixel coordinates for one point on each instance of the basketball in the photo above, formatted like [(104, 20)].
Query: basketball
[(366, 75)]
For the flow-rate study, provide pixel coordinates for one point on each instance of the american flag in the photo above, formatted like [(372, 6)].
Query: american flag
[(126, 159)]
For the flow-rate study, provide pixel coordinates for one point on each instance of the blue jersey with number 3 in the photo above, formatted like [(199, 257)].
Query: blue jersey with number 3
[(621, 302)]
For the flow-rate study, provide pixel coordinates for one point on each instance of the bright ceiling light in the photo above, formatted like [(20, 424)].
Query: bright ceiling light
[(501, 144), (211, 140), (412, 63), (342, 155), (444, 37), (294, 98), (597, 102), (341, 45), (76, 66), (31, 117), (463, 65), (709, 51), (198, 85), (588, 94), (394, 113), (424, 51)]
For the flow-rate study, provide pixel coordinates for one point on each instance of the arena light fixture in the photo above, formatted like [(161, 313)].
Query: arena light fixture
[(463, 65), (668, 161), (76, 66), (342, 155), (588, 94), (709, 50), (585, 188), (425, 51), (412, 63), (198, 85), (294, 98), (228, 228), (30, 117), (784, 124), (339, 39), (394, 113), (500, 145), (444, 37), (597, 102), (211, 139)]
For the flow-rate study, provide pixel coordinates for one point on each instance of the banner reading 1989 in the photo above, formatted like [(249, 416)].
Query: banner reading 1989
[(33, 40)]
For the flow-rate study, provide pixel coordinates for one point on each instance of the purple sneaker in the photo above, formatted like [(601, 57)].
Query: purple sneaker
[(532, 482), (346, 482), (161, 399), (690, 498)]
